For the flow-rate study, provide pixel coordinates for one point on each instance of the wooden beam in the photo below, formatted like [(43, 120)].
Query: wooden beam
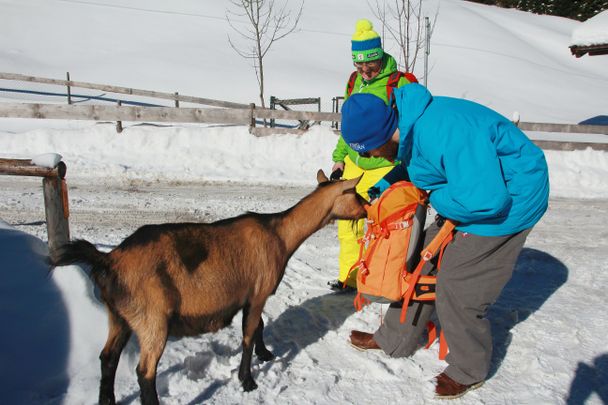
[(570, 128), (569, 146), (123, 90), (154, 114), (297, 101), (125, 113), (25, 167), (55, 207), (261, 131), (297, 115)]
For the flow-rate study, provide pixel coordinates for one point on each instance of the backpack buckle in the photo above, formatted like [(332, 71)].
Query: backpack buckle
[(427, 255)]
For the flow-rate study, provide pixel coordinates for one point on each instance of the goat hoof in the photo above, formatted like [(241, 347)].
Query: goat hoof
[(107, 400), (249, 384), (265, 355)]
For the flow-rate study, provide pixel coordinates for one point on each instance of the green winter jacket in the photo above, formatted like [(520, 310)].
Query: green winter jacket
[(376, 86)]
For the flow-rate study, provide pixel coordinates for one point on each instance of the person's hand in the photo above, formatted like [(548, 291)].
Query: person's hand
[(336, 175), (377, 189), (337, 171), (373, 192)]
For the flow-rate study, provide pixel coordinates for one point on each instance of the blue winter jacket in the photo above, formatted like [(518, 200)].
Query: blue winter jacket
[(481, 170)]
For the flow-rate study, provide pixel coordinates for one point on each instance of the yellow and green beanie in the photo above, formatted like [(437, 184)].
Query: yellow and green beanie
[(366, 43)]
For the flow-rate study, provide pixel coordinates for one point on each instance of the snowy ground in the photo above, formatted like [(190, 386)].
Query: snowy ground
[(549, 324)]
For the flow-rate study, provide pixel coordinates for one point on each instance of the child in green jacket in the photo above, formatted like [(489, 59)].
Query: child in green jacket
[(374, 69)]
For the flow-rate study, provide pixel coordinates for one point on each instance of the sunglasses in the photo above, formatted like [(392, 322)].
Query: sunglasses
[(371, 63)]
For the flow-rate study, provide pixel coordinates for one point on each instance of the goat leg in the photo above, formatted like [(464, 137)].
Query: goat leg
[(261, 351), (151, 348), (118, 336), (252, 316)]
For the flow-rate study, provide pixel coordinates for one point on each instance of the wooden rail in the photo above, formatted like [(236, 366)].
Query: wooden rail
[(154, 114), (55, 193), (248, 117), (567, 145), (123, 90), (569, 128), (285, 103)]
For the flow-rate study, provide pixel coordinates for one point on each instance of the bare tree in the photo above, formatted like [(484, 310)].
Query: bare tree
[(267, 23), (404, 22)]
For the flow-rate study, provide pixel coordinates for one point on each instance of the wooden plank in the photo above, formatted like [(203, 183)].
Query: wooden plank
[(297, 115), (261, 131), (154, 114), (297, 101), (24, 167), (123, 90), (569, 128), (569, 146), (125, 113)]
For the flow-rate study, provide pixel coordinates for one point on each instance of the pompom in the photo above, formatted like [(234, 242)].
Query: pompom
[(363, 25)]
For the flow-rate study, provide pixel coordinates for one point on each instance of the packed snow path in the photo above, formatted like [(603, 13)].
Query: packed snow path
[(549, 324)]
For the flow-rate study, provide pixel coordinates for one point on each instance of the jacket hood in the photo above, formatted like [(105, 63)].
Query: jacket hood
[(411, 101)]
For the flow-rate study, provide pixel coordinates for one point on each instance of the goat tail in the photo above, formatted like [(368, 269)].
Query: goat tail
[(82, 251)]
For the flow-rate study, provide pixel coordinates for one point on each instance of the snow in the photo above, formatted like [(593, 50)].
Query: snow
[(549, 322), (594, 31), (49, 160)]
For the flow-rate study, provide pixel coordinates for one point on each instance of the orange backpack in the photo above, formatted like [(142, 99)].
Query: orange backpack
[(389, 267)]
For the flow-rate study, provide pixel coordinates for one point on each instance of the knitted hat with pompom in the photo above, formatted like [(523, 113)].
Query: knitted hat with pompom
[(366, 43)]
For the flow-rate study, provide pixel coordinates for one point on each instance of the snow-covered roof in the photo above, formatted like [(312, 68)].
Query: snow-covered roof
[(591, 36)]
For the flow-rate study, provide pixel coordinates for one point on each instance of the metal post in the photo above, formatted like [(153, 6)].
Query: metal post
[(427, 50)]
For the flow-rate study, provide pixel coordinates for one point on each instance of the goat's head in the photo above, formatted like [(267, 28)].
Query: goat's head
[(348, 204)]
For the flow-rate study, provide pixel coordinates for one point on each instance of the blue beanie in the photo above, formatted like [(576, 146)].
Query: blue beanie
[(367, 122)]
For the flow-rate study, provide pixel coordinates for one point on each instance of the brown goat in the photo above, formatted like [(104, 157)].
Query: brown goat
[(184, 279)]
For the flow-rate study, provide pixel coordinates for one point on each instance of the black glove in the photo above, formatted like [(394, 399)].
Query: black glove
[(374, 192), (336, 174), (439, 220)]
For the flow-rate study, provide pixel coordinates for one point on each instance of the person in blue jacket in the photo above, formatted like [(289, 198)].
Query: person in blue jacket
[(482, 172)]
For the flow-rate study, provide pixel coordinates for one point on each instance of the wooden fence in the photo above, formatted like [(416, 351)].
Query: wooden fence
[(123, 90), (55, 193), (285, 103), (230, 113)]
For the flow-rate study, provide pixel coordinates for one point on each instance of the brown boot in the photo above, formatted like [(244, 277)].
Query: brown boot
[(363, 340), (446, 388)]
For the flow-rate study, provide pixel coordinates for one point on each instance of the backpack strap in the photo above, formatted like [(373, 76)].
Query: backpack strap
[(439, 243), (443, 345), (393, 82), (411, 77), (351, 83)]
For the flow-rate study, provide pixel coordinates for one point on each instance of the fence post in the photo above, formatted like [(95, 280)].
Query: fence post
[(69, 89), (176, 100), (336, 109), (119, 123), (56, 208), (272, 107), (252, 120)]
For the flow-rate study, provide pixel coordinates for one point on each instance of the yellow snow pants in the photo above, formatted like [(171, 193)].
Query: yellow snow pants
[(350, 231)]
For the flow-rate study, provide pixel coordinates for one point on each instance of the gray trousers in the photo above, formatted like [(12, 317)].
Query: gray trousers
[(474, 270)]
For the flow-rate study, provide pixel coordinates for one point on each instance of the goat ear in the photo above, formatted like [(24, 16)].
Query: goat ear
[(351, 184), (321, 177)]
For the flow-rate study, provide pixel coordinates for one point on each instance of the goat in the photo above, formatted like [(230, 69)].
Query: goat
[(184, 279)]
